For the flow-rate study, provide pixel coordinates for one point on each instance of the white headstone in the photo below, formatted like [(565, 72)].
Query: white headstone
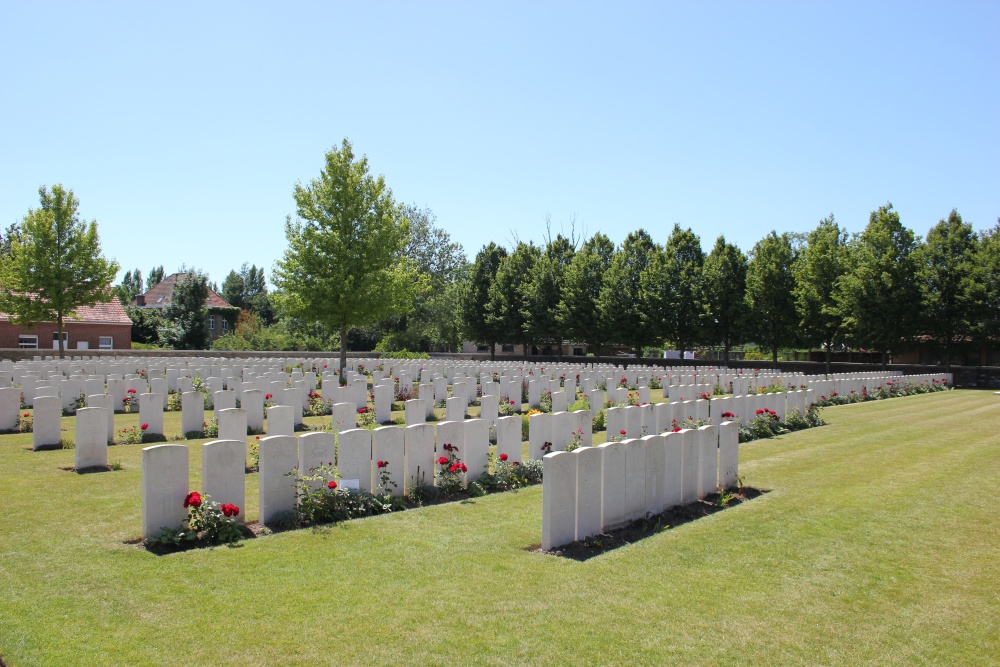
[(164, 487), (418, 443), (46, 422), (354, 457), (91, 438), (192, 412), (276, 493), (223, 470), (388, 447), (589, 491), (280, 420), (509, 438), (558, 499)]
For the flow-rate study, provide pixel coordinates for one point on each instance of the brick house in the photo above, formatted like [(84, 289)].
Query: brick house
[(105, 326), (221, 315)]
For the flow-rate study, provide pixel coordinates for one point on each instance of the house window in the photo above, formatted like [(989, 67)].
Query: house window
[(225, 324), (211, 322), (506, 348), (28, 342), (106, 342), (55, 340)]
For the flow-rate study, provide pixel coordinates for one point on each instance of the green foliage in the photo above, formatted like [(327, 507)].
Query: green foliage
[(544, 292), (403, 354), (55, 265), (476, 296), (988, 284), (185, 319), (621, 304), (950, 306), (724, 281), (247, 290), (508, 305), (343, 265), (578, 313), (672, 289), (819, 269), (879, 294), (146, 323), (770, 286), (130, 287), (155, 277)]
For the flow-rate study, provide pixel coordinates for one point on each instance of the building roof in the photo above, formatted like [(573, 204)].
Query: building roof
[(102, 313), (159, 294)]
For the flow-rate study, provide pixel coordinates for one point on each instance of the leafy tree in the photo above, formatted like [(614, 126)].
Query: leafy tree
[(55, 266), (672, 289), (770, 293), (947, 277), (578, 312), (247, 290), (155, 277), (435, 318), (508, 295), (821, 265), (476, 297), (988, 285), (342, 267), (185, 325), (724, 284), (544, 292), (621, 299), (130, 287), (879, 295), (7, 238), (146, 323)]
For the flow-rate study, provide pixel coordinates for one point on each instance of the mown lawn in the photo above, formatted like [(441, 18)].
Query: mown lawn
[(878, 544)]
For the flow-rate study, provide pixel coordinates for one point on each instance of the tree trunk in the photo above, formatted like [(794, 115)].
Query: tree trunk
[(59, 332), (885, 360), (493, 351), (559, 343), (829, 344), (774, 356), (525, 355), (725, 354), (343, 348)]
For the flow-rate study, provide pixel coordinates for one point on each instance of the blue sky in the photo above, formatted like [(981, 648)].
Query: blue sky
[(182, 127)]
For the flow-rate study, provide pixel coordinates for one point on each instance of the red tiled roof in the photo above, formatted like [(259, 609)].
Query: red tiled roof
[(159, 294), (102, 313)]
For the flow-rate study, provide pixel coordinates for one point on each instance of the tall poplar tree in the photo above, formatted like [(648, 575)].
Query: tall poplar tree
[(55, 265)]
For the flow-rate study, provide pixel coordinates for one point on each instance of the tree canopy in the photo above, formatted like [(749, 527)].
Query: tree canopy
[(343, 265), (770, 287), (55, 264)]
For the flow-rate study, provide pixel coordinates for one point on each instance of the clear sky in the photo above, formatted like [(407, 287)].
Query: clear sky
[(182, 127)]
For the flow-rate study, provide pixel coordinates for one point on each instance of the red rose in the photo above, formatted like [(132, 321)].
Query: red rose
[(268, 397), (236, 510), (331, 484), (131, 391), (383, 464), (144, 426), (517, 463), (503, 457), (512, 402), (621, 432), (227, 509), (258, 437), (193, 499), (464, 467), (442, 460), (26, 414), (760, 412), (676, 429), (453, 467)]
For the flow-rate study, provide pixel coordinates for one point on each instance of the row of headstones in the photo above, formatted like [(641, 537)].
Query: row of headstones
[(410, 452), (846, 385), (595, 489)]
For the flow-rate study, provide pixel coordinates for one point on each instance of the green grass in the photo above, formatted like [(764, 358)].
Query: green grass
[(877, 545)]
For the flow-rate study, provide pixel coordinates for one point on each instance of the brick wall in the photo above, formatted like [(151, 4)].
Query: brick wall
[(121, 334)]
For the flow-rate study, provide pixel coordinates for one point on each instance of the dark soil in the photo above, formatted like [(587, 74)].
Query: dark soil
[(638, 530), (87, 471)]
